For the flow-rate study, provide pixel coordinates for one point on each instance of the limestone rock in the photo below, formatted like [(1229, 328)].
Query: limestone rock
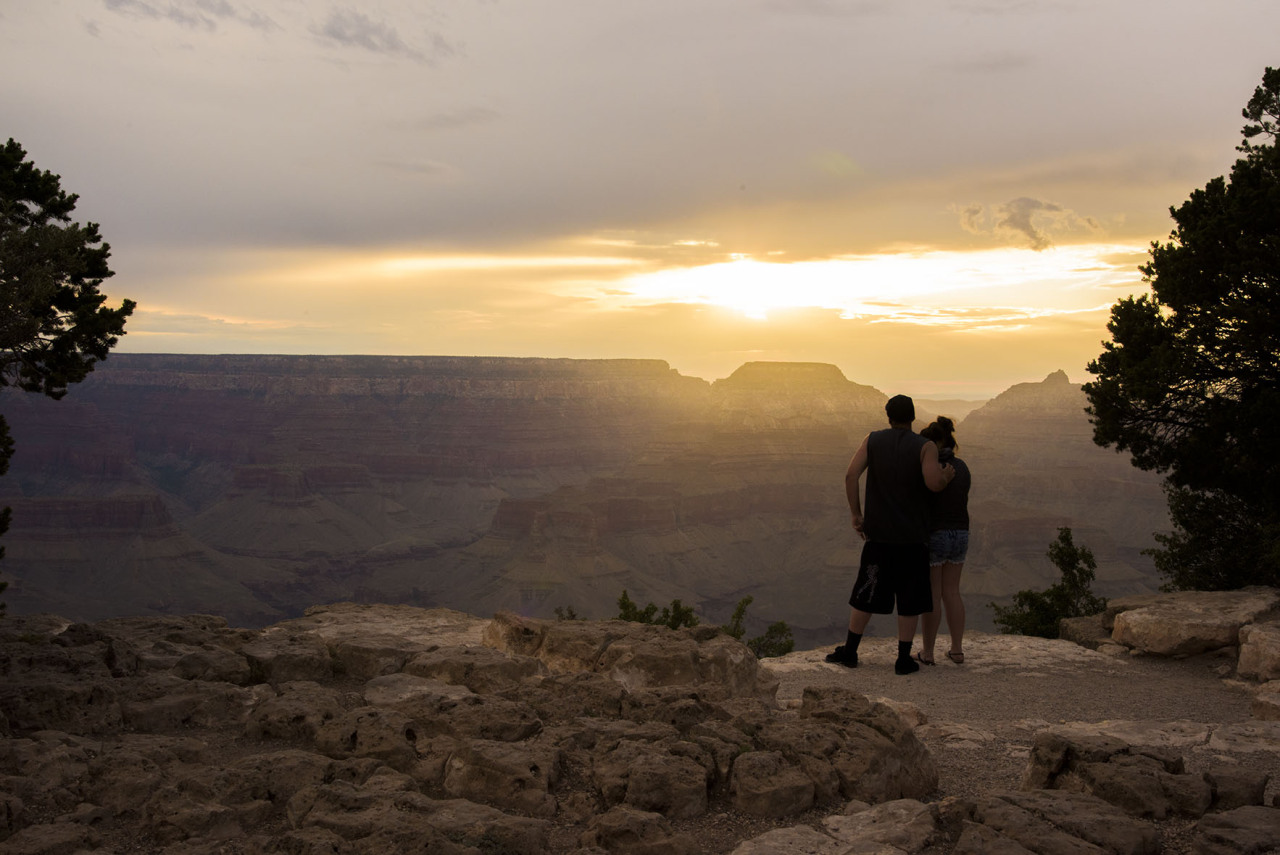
[(978, 839), (516, 777), (878, 757), (59, 839), (284, 655), (1246, 736), (1144, 782), (480, 669), (1088, 631), (1064, 823), (636, 656), (297, 711), (764, 783), (652, 771), (1260, 651), (385, 735), (665, 723), (1243, 831), (61, 702), (627, 831), (1236, 786), (905, 824), (1266, 703), (397, 820), (1191, 622), (797, 840)]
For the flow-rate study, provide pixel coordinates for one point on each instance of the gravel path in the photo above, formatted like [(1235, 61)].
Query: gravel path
[(979, 719)]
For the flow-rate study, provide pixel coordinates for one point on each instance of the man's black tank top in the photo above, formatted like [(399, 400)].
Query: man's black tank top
[(897, 507)]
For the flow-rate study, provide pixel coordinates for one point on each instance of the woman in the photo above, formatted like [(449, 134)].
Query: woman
[(948, 546)]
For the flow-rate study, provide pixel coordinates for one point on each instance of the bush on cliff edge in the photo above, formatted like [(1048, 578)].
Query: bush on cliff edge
[(1039, 612)]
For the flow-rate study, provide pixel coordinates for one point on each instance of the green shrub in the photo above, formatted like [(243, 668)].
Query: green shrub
[(1039, 612)]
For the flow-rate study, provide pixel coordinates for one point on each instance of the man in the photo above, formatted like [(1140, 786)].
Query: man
[(901, 468)]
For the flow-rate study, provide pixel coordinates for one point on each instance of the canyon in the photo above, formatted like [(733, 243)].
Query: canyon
[(253, 487)]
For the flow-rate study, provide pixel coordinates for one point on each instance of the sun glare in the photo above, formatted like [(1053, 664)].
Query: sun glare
[(901, 286)]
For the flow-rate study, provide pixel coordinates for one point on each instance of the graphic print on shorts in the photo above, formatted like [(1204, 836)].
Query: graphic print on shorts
[(866, 591)]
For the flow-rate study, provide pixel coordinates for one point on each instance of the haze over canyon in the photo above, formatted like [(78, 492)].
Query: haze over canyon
[(256, 486)]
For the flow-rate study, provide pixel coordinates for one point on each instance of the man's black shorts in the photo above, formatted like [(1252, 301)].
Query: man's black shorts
[(893, 572)]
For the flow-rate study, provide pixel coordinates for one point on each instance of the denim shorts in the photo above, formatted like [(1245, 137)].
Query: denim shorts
[(949, 546)]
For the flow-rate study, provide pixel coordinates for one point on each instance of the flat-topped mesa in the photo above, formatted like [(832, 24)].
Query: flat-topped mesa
[(453, 376), (788, 375)]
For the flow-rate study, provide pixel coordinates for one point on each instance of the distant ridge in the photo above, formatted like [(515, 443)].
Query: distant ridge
[(257, 486)]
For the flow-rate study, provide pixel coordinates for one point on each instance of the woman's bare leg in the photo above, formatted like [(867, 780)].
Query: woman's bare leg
[(953, 604), (930, 621)]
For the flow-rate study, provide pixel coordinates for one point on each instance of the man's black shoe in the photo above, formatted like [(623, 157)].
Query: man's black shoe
[(905, 665), (839, 657)]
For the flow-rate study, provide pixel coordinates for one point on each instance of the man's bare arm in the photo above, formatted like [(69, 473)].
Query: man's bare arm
[(856, 467), (936, 476)]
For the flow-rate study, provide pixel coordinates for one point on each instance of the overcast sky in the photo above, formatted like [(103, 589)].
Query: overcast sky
[(941, 198)]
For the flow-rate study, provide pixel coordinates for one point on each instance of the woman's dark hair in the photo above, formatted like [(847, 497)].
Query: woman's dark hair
[(942, 432)]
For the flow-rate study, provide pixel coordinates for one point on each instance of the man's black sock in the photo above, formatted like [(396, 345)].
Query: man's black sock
[(851, 641), (904, 649)]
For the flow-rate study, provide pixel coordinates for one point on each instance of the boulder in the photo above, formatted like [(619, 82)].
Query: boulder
[(978, 839), (636, 656), (1061, 824), (797, 840), (277, 775), (1191, 622), (429, 627), (283, 654), (1244, 831), (1246, 736), (666, 774), (385, 735), (1266, 702), (66, 838), (1144, 782), (626, 831), (878, 757), (162, 643), (1260, 651), (905, 824), (765, 783), (373, 655), (401, 821), (215, 664), (1088, 631), (53, 701), (163, 703), (1236, 786), (480, 669), (1089, 820), (296, 712), (515, 777)]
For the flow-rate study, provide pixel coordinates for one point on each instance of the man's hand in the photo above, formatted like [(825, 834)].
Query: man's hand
[(857, 525)]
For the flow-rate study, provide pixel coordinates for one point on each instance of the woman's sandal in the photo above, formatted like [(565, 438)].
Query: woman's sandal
[(957, 658), (923, 661)]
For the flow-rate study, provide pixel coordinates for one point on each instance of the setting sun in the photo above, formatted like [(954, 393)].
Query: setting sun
[(926, 287)]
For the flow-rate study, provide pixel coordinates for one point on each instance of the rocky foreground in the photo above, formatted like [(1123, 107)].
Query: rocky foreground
[(377, 729)]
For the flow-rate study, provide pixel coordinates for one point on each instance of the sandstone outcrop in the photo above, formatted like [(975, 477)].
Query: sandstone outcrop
[(370, 729), (361, 728), (1244, 624), (1192, 622)]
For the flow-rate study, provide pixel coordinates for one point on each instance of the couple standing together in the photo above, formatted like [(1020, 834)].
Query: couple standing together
[(916, 528)]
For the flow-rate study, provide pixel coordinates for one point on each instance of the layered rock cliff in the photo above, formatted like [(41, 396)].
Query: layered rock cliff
[(373, 728), (257, 486)]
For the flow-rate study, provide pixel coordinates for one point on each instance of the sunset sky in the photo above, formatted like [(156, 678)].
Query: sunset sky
[(940, 198)]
